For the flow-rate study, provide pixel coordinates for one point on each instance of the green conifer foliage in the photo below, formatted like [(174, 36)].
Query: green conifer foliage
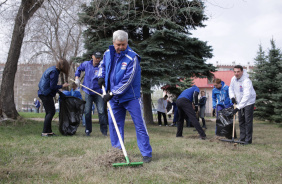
[(266, 83), (158, 31)]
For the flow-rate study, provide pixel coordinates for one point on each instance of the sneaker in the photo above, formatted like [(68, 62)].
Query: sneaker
[(179, 136), (171, 124), (147, 159), (166, 125), (45, 135), (160, 125), (203, 138), (87, 133)]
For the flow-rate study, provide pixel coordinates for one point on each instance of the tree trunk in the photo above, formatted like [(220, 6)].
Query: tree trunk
[(148, 115), (7, 104)]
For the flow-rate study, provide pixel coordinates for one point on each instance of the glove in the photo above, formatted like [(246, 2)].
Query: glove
[(233, 101), (77, 82), (196, 108), (235, 111), (101, 82), (62, 95), (107, 97)]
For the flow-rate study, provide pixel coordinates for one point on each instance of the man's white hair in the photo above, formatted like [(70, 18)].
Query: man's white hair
[(120, 35)]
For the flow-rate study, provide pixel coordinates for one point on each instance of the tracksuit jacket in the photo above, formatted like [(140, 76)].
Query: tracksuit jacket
[(90, 78), (221, 96), (123, 79), (242, 90), (190, 94)]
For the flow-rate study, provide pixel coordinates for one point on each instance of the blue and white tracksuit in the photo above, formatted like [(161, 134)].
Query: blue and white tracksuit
[(122, 74)]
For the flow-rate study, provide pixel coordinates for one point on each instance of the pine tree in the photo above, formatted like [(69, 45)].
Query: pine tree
[(158, 31)]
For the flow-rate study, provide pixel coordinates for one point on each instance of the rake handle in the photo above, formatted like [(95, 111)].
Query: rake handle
[(233, 124), (116, 127), (88, 88)]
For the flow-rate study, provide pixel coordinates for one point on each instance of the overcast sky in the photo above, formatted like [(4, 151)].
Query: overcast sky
[(236, 28)]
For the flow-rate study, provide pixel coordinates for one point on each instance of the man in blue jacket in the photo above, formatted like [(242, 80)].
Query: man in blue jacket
[(120, 73), (37, 105), (91, 69), (184, 104), (220, 95)]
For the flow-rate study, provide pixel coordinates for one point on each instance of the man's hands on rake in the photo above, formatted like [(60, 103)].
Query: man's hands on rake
[(235, 111), (107, 96)]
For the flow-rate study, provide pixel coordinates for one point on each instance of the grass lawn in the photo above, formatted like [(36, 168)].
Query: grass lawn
[(26, 157)]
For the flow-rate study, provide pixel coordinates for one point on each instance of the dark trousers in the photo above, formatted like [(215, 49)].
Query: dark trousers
[(246, 123), (185, 107), (160, 114), (49, 106)]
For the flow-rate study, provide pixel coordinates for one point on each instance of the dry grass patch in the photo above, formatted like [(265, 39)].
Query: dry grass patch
[(26, 157)]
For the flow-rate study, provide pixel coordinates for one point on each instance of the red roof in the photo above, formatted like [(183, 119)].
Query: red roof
[(225, 76)]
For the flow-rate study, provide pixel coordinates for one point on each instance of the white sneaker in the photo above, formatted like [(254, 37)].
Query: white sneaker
[(160, 125)]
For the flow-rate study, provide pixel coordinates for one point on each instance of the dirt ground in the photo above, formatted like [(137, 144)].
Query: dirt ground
[(114, 155)]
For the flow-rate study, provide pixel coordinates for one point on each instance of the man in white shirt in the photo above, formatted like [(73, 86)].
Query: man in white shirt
[(162, 103), (242, 93)]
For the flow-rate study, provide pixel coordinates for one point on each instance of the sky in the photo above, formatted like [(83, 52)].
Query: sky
[(236, 28)]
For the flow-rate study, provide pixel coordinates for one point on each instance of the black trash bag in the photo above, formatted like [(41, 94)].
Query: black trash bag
[(224, 123), (71, 111)]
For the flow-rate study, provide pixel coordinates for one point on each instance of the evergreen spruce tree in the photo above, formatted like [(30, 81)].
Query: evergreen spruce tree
[(277, 117), (266, 82), (261, 88), (275, 59), (159, 32)]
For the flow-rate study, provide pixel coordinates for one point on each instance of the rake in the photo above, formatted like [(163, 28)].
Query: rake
[(128, 163)]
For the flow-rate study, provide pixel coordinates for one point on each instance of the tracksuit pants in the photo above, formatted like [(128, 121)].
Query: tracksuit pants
[(134, 107), (185, 107), (245, 116)]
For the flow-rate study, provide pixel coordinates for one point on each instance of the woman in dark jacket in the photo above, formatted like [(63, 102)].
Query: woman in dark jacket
[(48, 87)]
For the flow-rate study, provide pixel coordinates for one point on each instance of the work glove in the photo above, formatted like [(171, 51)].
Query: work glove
[(77, 82), (101, 82), (233, 101), (235, 111), (196, 108), (107, 97)]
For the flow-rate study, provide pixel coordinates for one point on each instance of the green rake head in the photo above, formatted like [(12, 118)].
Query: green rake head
[(131, 164)]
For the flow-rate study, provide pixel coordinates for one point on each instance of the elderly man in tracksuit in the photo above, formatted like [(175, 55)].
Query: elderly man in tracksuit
[(120, 72), (184, 104), (242, 93)]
